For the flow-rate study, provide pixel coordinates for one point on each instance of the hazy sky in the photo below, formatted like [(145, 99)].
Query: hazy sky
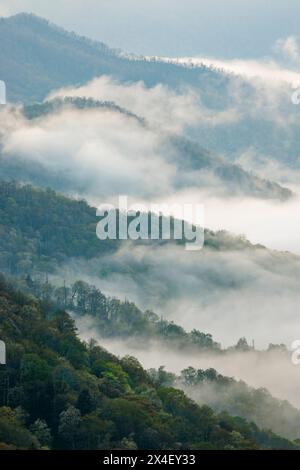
[(219, 28)]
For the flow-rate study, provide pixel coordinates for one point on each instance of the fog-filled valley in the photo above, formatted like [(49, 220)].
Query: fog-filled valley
[(87, 124)]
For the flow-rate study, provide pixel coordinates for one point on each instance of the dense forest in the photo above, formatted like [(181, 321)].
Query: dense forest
[(32, 246), (62, 389), (58, 392), (111, 318), (30, 238), (114, 318), (41, 229), (238, 399)]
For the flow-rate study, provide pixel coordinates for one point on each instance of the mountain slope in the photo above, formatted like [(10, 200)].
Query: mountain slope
[(36, 57), (64, 394), (43, 232), (188, 164), (110, 319), (31, 242), (238, 399)]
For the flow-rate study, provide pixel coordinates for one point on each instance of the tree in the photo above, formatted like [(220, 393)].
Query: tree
[(41, 431), (14, 433), (128, 443), (85, 402), (69, 426), (242, 345)]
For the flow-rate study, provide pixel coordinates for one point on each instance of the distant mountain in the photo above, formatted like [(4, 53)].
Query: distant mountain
[(191, 156), (36, 110), (37, 57), (197, 166)]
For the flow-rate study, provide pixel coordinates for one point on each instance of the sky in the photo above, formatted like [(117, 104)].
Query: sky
[(216, 28)]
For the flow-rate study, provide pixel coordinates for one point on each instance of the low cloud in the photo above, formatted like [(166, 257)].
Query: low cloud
[(289, 48), (272, 370), (228, 292), (103, 152), (159, 105), (267, 69)]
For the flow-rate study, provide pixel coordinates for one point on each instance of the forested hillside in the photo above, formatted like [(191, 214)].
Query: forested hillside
[(145, 331), (41, 229), (238, 399), (57, 392), (37, 57), (112, 319), (195, 165), (44, 233)]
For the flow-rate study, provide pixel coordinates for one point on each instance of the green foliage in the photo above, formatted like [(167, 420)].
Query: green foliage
[(13, 433), (31, 243), (50, 400), (239, 399), (69, 427), (41, 431), (30, 240), (114, 318)]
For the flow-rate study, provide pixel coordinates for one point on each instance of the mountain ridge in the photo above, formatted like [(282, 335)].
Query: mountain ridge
[(71, 59)]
